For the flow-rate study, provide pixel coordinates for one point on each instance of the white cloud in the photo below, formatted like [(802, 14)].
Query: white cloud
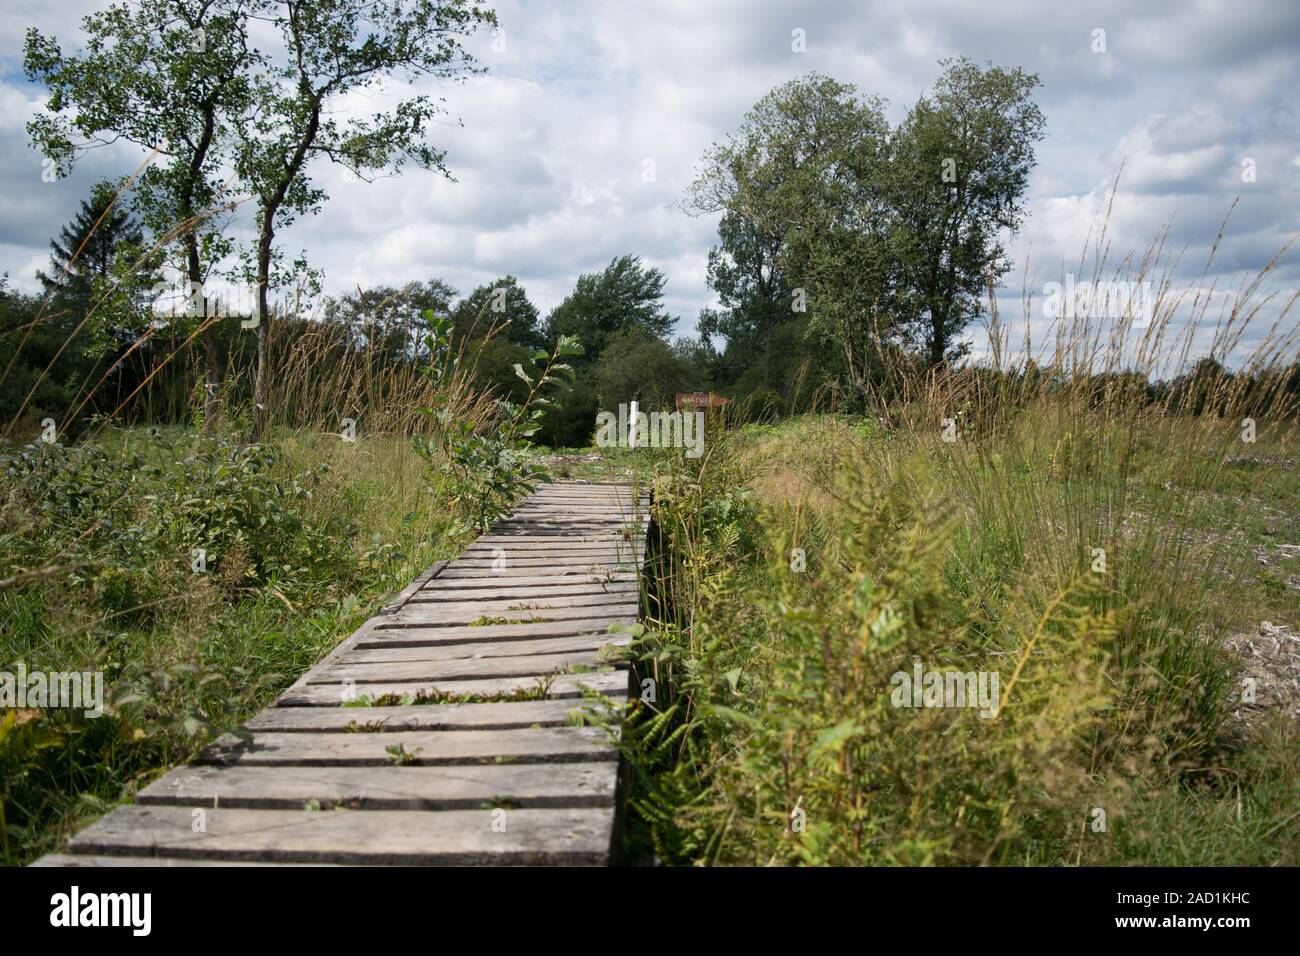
[(550, 157)]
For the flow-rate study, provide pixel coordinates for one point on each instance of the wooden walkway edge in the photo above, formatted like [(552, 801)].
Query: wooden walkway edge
[(442, 731)]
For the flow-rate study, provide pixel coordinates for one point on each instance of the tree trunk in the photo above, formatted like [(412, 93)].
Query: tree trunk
[(270, 207), (208, 339), (263, 323), (938, 338)]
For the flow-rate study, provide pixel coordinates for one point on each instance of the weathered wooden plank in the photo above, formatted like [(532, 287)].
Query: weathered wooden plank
[(465, 787), (507, 554), (562, 687), (578, 836), (601, 537), (591, 643), (434, 615), (558, 546), (503, 566), (480, 579), (585, 484), (382, 635), (582, 494), (454, 571), (594, 501), (612, 512), (418, 748), (571, 522), (407, 592), (558, 523), (621, 590), (534, 528), (505, 716), (90, 860), (536, 665), (525, 602)]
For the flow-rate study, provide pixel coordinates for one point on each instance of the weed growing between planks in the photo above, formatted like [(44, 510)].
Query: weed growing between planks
[(436, 696)]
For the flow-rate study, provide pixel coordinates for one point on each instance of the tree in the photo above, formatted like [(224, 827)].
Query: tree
[(491, 363), (103, 240), (171, 76), (624, 295), (766, 341), (803, 175), (38, 375), (391, 321), (886, 236), (960, 167), (95, 306), (332, 48), (636, 366), (501, 303)]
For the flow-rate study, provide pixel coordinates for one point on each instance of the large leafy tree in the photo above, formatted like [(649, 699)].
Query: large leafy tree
[(39, 375), (745, 273), (102, 239), (803, 174), (95, 304), (173, 77), (886, 236), (956, 184), (501, 305), (329, 49), (389, 321), (624, 295), (638, 366), (763, 335)]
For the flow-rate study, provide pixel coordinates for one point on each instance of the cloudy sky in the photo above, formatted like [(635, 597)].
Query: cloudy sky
[(579, 96)]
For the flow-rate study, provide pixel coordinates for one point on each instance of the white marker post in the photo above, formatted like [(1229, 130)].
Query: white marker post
[(631, 425)]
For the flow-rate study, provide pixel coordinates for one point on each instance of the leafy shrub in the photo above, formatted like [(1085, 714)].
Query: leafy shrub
[(97, 548), (132, 522), (480, 468)]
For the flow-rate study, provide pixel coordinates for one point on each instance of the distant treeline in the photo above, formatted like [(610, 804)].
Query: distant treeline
[(845, 278), (361, 358)]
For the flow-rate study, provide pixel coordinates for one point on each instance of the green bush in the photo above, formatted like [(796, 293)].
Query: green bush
[(99, 575), (132, 522)]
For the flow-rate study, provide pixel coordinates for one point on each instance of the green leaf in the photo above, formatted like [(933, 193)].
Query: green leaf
[(832, 739), (732, 715)]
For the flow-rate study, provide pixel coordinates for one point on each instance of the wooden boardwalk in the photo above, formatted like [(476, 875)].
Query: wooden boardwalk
[(441, 731)]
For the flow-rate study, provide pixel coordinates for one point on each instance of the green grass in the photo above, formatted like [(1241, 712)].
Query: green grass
[(772, 683), (976, 556), (295, 564)]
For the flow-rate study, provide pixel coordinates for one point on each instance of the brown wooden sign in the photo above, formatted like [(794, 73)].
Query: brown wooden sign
[(700, 400)]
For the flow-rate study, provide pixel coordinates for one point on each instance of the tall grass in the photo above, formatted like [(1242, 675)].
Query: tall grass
[(1053, 517), (302, 539), (199, 570)]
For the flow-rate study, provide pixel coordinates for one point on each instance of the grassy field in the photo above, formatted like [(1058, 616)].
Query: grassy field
[(1108, 564), (1129, 572), (304, 536)]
